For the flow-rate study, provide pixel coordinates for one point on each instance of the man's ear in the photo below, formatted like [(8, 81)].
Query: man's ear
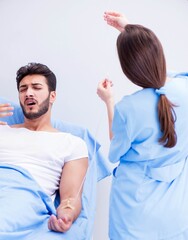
[(52, 97)]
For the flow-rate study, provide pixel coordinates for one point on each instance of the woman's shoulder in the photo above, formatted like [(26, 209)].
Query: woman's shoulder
[(138, 97), (137, 105)]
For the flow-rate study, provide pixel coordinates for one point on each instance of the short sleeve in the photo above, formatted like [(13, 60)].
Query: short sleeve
[(120, 143), (78, 149)]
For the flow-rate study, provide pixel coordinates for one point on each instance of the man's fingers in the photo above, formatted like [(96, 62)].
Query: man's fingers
[(49, 224), (57, 225), (6, 110), (5, 114), (3, 123), (6, 106)]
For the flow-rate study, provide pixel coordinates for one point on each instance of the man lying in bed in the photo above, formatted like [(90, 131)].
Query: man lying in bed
[(55, 160)]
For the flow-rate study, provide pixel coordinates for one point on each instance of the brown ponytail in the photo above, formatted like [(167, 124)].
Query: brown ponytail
[(167, 118), (143, 62)]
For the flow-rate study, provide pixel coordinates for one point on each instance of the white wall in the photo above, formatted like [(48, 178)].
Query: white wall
[(74, 41)]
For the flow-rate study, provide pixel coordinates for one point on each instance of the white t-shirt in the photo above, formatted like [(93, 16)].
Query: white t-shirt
[(43, 154)]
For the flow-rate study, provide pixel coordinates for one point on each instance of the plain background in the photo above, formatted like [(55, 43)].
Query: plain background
[(73, 40)]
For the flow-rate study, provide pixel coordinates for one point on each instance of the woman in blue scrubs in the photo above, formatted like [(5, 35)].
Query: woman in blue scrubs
[(149, 139)]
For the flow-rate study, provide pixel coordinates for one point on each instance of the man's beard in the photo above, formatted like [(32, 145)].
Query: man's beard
[(43, 108)]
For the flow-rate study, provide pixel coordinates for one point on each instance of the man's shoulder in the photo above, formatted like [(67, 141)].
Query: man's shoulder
[(69, 136), (19, 125)]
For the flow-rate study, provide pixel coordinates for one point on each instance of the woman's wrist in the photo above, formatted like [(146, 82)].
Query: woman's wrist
[(110, 102)]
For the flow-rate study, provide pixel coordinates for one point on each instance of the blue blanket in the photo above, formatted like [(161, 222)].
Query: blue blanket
[(25, 209)]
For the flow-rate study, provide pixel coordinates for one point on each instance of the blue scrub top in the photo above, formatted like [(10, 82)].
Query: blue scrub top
[(149, 194)]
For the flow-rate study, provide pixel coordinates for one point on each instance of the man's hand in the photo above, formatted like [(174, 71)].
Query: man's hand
[(5, 110), (63, 221)]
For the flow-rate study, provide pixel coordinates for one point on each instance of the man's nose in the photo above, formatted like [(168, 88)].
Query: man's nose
[(29, 92)]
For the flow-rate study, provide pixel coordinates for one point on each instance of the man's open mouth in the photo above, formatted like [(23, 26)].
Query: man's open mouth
[(30, 102)]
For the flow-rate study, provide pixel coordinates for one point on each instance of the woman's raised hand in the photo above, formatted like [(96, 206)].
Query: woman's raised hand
[(116, 20)]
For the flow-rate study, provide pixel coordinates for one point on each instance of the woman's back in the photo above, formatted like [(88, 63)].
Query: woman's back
[(149, 189), (142, 131)]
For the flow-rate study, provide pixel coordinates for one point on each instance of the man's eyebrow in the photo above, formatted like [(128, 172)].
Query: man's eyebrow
[(33, 84), (21, 86)]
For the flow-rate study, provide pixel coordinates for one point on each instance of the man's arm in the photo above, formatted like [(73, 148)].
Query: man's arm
[(71, 184)]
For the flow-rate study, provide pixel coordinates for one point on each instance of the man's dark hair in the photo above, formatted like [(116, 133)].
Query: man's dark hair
[(37, 68)]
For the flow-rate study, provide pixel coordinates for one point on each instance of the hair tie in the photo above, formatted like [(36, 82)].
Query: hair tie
[(160, 91)]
